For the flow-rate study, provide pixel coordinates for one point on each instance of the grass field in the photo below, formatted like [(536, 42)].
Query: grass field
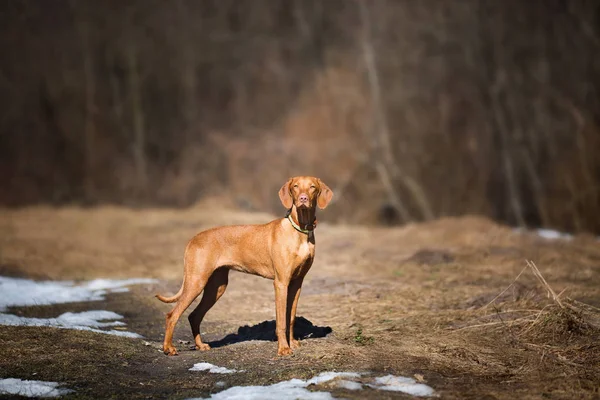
[(452, 303)]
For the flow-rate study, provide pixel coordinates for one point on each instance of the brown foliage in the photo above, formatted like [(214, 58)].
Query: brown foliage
[(410, 110)]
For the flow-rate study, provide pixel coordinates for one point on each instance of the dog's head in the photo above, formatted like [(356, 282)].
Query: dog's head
[(305, 192)]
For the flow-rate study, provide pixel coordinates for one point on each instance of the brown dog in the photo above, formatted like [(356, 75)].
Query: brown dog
[(282, 250)]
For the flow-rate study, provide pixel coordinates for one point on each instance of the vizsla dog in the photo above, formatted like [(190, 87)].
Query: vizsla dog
[(282, 250)]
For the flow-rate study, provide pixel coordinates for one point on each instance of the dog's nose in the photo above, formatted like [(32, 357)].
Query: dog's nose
[(303, 198)]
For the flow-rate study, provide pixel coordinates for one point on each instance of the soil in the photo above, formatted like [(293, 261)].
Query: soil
[(439, 301)]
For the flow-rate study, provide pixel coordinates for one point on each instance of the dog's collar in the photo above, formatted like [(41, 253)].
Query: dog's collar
[(288, 215), (296, 227)]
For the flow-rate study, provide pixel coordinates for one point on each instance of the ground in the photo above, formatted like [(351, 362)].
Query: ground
[(452, 303)]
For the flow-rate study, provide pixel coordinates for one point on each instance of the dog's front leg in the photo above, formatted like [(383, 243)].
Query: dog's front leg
[(293, 295), (281, 317)]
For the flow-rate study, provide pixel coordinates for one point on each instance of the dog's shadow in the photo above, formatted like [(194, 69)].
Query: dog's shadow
[(303, 329)]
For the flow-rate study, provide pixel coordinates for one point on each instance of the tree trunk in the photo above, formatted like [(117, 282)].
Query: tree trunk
[(389, 170), (139, 134), (89, 129)]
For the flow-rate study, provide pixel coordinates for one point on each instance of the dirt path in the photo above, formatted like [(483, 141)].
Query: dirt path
[(407, 301)]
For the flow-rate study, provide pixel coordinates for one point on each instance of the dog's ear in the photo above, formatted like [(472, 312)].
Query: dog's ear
[(324, 196), (284, 194)]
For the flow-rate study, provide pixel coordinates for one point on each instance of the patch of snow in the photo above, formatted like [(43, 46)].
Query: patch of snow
[(83, 321), (278, 391), (292, 389), (548, 234), (552, 234), (16, 292), (117, 285), (401, 384), (204, 366), (328, 376), (120, 290), (31, 388), (349, 385), (297, 388)]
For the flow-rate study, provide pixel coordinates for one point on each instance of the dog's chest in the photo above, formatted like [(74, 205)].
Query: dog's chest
[(305, 251), (303, 259)]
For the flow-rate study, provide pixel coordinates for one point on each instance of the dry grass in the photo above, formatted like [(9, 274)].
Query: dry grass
[(558, 327), (448, 300), (571, 309)]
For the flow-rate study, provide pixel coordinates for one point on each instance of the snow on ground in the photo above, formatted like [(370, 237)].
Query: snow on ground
[(204, 366), (15, 292), (297, 388), (548, 234), (19, 387), (401, 384), (552, 234), (348, 385), (292, 389), (83, 321), (328, 376)]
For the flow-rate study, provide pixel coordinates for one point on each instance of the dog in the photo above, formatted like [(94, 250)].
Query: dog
[(282, 250)]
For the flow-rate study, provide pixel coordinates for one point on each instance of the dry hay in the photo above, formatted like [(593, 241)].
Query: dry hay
[(557, 327)]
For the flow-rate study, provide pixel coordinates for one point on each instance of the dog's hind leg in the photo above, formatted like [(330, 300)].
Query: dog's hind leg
[(192, 289), (214, 289)]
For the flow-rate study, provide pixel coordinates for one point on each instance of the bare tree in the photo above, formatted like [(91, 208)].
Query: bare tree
[(387, 166), (137, 114), (89, 130)]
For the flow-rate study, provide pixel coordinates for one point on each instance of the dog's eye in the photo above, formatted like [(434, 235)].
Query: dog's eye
[(313, 187), (296, 185)]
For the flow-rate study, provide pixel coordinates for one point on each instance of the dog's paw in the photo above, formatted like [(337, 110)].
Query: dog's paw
[(170, 351), (284, 351), (294, 344), (202, 346)]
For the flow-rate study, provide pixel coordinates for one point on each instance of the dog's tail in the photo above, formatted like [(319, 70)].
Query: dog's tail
[(177, 295), (171, 299)]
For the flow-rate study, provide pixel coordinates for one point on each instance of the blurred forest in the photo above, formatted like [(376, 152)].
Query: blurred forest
[(409, 110)]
